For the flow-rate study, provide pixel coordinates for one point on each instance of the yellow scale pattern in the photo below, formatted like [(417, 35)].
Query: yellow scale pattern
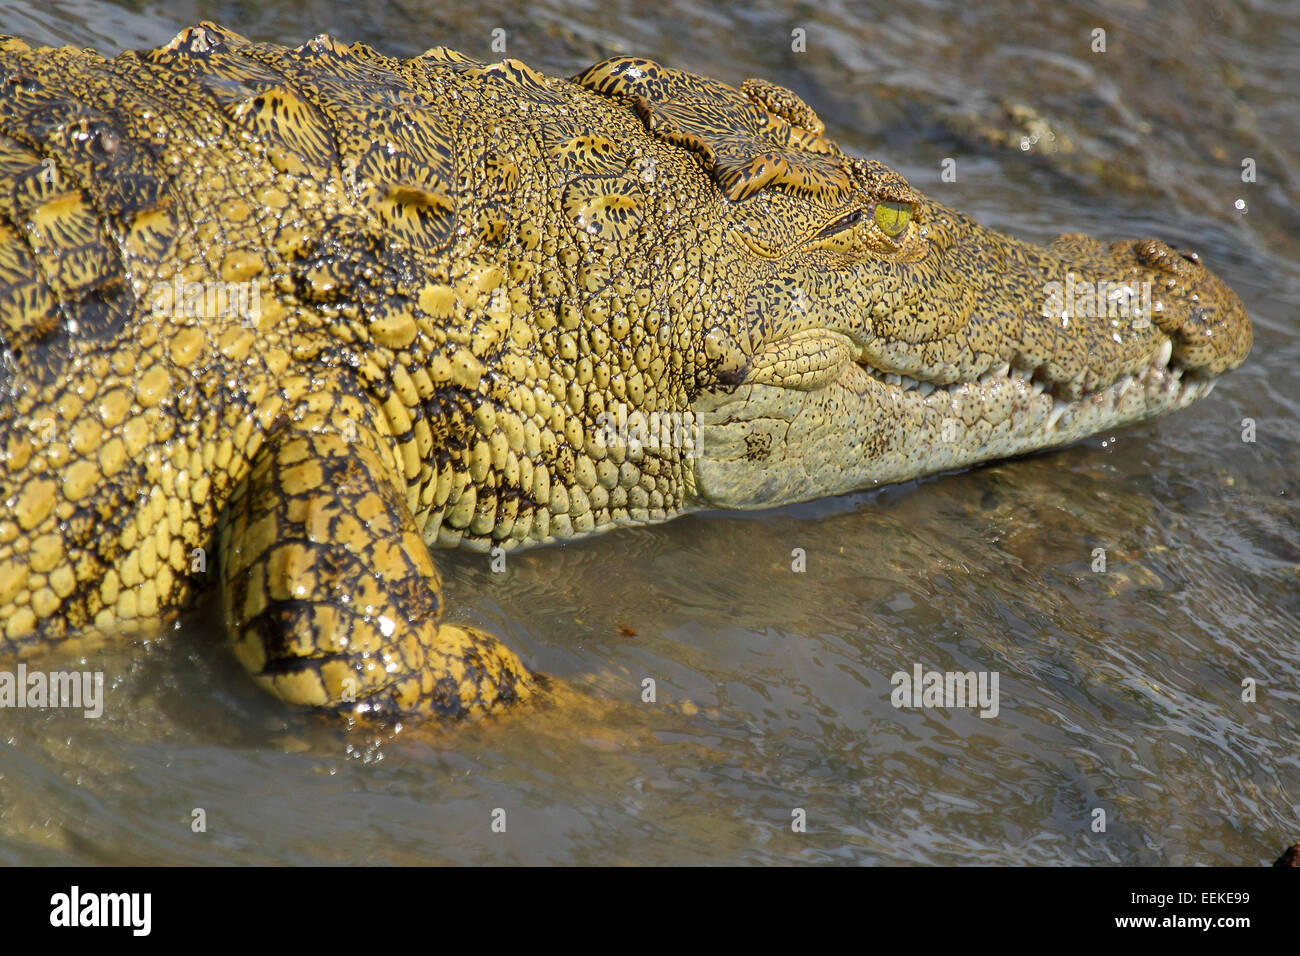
[(312, 311), (444, 308)]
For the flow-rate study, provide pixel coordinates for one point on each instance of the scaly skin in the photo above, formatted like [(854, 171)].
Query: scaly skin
[(459, 267)]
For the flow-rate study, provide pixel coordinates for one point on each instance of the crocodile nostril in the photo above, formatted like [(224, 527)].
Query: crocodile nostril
[(1162, 257), (1151, 252)]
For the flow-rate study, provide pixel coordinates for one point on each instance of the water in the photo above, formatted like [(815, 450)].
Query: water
[(1120, 691)]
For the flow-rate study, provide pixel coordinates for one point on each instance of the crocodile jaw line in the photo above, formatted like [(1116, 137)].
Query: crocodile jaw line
[(1161, 386), (1005, 412)]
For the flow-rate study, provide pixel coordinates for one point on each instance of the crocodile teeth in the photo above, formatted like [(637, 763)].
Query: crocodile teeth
[(925, 388), (1054, 416), (1038, 387), (996, 374), (1023, 374), (907, 381), (1165, 354), (892, 379)]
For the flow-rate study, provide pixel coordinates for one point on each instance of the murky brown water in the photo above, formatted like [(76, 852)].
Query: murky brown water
[(1120, 691)]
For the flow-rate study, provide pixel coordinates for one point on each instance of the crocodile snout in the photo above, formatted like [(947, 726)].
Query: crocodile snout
[(1204, 318)]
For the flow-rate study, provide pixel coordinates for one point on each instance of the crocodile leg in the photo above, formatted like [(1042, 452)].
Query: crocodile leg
[(331, 596)]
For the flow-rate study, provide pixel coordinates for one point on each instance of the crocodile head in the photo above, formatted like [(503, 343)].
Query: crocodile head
[(866, 358), (869, 334)]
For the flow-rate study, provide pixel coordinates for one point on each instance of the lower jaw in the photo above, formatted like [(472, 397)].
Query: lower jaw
[(763, 445)]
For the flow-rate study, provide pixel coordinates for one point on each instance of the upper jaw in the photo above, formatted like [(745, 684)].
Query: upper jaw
[(1106, 315)]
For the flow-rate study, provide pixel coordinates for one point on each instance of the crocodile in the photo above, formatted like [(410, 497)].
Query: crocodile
[(317, 312)]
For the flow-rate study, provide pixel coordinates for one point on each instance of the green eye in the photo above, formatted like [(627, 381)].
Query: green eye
[(893, 217)]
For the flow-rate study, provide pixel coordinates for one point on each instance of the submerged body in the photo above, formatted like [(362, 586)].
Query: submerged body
[(319, 310)]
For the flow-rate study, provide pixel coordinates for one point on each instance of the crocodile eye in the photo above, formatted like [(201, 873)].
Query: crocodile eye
[(893, 217)]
